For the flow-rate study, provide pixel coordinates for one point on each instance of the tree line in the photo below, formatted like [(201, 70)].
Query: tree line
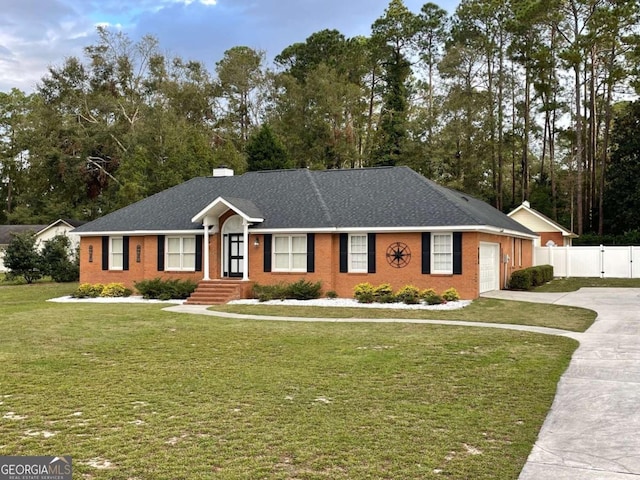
[(505, 100)]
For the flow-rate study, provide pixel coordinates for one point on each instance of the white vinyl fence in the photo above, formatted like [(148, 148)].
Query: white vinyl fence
[(601, 261)]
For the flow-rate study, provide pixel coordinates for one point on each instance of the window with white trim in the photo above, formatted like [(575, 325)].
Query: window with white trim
[(289, 253), (358, 253), (519, 252), (116, 253), (442, 253), (180, 254)]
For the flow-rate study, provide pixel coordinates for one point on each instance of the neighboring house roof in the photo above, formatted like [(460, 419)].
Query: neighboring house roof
[(540, 220), (71, 224), (369, 198), (6, 231)]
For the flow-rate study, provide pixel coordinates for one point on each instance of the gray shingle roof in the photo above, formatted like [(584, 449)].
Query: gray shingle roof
[(385, 197), (6, 231)]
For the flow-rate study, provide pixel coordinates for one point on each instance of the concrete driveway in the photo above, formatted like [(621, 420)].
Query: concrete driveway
[(593, 428)]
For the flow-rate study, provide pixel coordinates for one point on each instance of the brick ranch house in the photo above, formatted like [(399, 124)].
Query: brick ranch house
[(340, 227)]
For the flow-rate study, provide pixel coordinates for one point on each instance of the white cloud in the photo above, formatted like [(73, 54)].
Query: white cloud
[(35, 34)]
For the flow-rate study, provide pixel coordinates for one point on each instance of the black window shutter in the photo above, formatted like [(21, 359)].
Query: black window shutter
[(457, 253), (426, 253), (105, 253), (371, 253), (199, 242), (266, 240), (344, 252), (311, 254), (125, 253), (160, 253)]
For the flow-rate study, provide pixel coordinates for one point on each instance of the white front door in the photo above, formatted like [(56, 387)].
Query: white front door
[(489, 267)]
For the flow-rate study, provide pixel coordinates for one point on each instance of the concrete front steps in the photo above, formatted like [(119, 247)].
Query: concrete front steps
[(218, 292)]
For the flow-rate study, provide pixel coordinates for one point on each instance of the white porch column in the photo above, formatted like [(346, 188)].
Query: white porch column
[(205, 250), (245, 249)]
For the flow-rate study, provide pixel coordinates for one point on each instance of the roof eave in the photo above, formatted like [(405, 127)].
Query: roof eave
[(202, 214), (51, 225), (138, 233), (427, 228)]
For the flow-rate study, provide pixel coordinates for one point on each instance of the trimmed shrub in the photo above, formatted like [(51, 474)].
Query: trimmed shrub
[(528, 278), (115, 290), (383, 293), (300, 290), (264, 293), (166, 289), (303, 290), (88, 290), (408, 294), (332, 294), (547, 272), (363, 293), (521, 280), (537, 277), (427, 292), (433, 299), (451, 295)]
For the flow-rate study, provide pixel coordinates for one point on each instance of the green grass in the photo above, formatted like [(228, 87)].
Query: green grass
[(154, 394), (573, 284), (481, 310)]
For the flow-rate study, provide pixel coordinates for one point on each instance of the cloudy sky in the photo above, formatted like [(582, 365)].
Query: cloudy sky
[(36, 34)]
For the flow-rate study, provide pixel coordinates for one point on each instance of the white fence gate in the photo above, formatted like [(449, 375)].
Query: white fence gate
[(601, 261)]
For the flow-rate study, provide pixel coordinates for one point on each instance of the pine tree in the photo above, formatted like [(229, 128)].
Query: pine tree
[(265, 152)]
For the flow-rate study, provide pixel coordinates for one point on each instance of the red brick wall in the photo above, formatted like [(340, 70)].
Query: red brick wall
[(327, 255), (146, 268), (556, 237)]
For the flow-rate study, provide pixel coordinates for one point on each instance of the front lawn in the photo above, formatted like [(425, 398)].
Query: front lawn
[(131, 391), (481, 310), (576, 283)]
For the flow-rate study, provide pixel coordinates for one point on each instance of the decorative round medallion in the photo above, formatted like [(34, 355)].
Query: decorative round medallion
[(398, 254)]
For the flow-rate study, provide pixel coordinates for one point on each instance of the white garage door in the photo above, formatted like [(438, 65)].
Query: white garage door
[(489, 267)]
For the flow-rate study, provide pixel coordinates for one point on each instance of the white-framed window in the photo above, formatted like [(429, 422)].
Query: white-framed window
[(442, 253), (358, 253), (520, 252), (180, 253), (289, 253), (116, 253)]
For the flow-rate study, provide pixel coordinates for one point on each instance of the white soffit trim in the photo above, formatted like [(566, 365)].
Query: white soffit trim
[(140, 233), (199, 217), (452, 228)]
